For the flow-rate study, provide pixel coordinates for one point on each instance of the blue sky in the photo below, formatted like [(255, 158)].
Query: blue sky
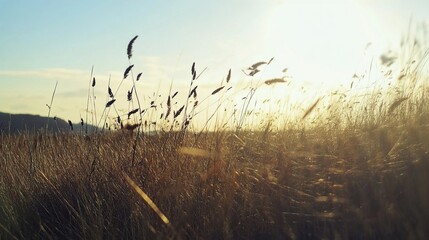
[(321, 42)]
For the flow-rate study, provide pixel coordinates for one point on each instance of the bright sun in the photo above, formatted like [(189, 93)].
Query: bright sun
[(321, 43)]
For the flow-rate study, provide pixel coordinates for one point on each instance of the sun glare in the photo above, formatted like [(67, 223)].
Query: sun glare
[(317, 48)]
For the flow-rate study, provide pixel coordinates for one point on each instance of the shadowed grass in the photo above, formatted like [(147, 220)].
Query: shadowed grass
[(355, 184)]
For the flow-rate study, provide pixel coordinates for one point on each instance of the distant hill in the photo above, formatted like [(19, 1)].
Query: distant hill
[(16, 123)]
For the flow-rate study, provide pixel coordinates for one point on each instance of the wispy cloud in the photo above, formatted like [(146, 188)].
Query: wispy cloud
[(156, 68), (48, 73), (152, 68)]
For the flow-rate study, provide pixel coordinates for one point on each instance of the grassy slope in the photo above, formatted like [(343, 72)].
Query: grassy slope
[(365, 183)]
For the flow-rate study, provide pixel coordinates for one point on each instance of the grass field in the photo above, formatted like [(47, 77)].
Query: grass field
[(335, 172)]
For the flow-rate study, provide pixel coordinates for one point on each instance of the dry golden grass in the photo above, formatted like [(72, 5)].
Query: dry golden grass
[(353, 184)]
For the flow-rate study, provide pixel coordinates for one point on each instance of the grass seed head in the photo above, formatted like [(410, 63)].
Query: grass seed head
[(130, 47)]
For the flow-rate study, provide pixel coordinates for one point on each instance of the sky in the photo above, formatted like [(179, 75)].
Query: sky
[(321, 43)]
